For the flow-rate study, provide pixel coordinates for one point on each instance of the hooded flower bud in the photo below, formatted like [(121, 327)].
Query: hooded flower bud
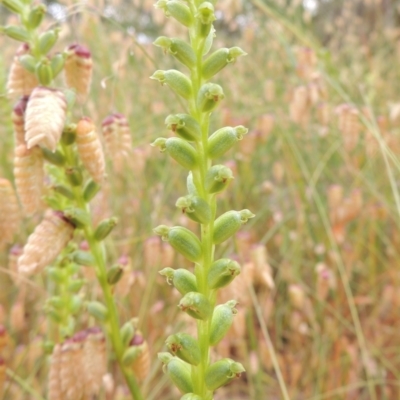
[(178, 371), (45, 117), (90, 190), (104, 228), (183, 280), (64, 191), (180, 49), (40, 251), (223, 139), (20, 81), (209, 96), (97, 310), (176, 9), (28, 172), (185, 126), (191, 396), (180, 150), (229, 223), (90, 150), (191, 187), (36, 15), (219, 60), (57, 64), (44, 72), (185, 347), (182, 240), (127, 332), (14, 6), (222, 272), (195, 208), (222, 372), (47, 40), (205, 17), (17, 33), (117, 139), (84, 258), (196, 305), (55, 158), (114, 274), (78, 69), (221, 321), (218, 178), (80, 218), (176, 80), (10, 216), (18, 119)]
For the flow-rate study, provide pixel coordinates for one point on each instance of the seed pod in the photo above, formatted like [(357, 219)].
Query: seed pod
[(20, 81), (28, 172), (176, 9), (205, 17), (210, 94), (10, 216), (97, 310), (222, 372), (182, 240), (223, 139), (17, 33), (219, 60), (18, 119), (47, 40), (78, 70), (229, 223), (196, 305), (141, 364), (90, 190), (191, 396), (180, 49), (54, 380), (94, 361), (184, 125), (104, 228), (222, 272), (117, 139), (178, 371), (45, 117), (191, 188), (176, 80), (90, 150), (185, 347), (195, 208), (40, 251), (218, 178), (183, 280), (221, 321), (55, 158)]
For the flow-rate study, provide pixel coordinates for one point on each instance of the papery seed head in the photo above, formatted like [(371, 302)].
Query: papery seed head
[(18, 119), (141, 365), (10, 215), (54, 380)]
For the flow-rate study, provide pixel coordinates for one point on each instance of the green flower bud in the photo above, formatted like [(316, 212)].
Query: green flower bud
[(104, 228), (48, 347), (56, 274), (70, 96), (184, 125), (69, 133), (114, 274), (223, 139), (75, 285), (182, 240), (180, 49), (195, 208), (97, 310), (56, 302), (56, 157), (182, 279), (17, 33), (185, 347), (36, 15), (64, 191), (209, 41), (75, 304), (205, 17), (176, 80), (74, 176), (47, 40), (85, 258), (28, 62), (221, 321), (14, 6), (44, 73), (222, 372), (57, 64), (130, 355), (222, 272), (219, 60), (176, 9), (210, 94), (196, 305), (191, 187), (127, 333), (54, 316), (80, 218), (229, 223), (218, 178), (178, 371), (191, 396), (180, 150), (90, 190)]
